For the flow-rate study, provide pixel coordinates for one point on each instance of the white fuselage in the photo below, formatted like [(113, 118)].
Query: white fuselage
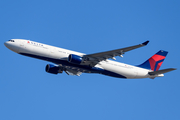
[(59, 56)]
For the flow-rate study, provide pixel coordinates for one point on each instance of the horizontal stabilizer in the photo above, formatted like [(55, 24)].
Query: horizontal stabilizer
[(161, 71)]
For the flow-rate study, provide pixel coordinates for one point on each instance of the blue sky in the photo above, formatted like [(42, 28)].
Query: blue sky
[(27, 92)]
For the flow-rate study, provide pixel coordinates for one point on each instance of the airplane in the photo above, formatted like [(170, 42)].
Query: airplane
[(76, 63)]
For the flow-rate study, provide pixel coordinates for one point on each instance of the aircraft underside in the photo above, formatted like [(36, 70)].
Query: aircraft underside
[(73, 67)]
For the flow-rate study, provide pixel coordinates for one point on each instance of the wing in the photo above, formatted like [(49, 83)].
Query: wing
[(93, 59), (73, 72)]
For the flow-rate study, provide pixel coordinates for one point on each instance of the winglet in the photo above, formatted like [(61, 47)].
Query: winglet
[(145, 43)]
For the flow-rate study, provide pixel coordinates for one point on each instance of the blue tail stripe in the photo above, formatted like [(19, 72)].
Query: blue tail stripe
[(162, 53), (145, 65)]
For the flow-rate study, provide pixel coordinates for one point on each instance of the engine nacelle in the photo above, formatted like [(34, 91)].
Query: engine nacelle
[(75, 59), (54, 69)]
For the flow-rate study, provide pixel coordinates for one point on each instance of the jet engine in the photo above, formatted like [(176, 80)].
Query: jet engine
[(75, 59), (54, 69)]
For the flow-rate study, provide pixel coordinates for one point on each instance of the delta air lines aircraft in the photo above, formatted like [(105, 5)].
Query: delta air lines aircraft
[(75, 63)]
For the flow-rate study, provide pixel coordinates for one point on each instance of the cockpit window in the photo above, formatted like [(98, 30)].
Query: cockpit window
[(11, 40)]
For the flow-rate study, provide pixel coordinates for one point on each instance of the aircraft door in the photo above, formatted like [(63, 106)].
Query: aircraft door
[(22, 45), (136, 73), (52, 52)]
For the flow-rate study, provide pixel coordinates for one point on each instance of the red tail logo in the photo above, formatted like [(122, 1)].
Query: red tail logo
[(155, 62)]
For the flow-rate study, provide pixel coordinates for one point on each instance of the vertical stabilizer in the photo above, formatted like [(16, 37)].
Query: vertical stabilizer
[(155, 62)]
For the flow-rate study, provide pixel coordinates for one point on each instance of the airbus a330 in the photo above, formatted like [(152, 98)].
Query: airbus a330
[(76, 63)]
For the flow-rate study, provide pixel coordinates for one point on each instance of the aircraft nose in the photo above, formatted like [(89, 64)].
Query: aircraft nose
[(6, 44), (12, 45)]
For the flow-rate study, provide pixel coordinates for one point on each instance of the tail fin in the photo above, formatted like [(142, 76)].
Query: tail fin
[(155, 62)]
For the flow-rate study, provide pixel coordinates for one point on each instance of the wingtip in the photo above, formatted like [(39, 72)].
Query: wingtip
[(145, 43), (174, 68)]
